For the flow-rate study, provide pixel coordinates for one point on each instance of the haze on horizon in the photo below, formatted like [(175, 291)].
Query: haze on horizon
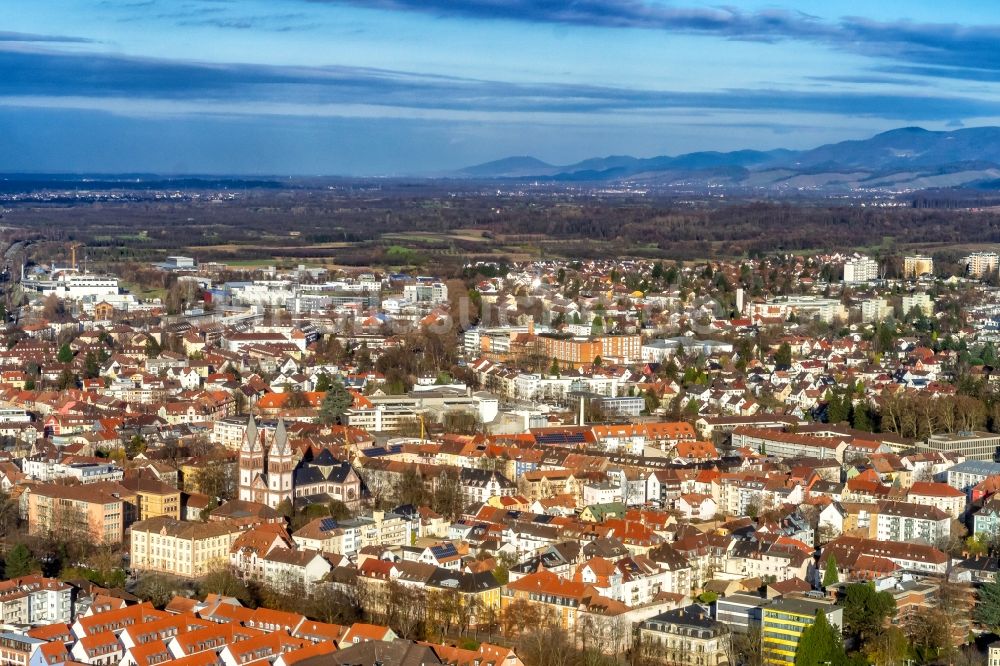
[(391, 87)]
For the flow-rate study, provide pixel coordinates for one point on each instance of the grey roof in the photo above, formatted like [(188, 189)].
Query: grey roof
[(983, 467)]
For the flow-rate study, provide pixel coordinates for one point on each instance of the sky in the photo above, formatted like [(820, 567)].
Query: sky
[(424, 87)]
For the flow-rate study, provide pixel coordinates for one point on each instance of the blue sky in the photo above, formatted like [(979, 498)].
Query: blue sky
[(398, 87)]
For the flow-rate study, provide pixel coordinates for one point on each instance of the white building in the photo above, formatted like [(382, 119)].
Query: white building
[(981, 264), (859, 270), (875, 309), (921, 301)]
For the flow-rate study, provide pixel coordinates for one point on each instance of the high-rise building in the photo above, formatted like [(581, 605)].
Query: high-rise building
[(858, 270), (981, 264), (917, 265)]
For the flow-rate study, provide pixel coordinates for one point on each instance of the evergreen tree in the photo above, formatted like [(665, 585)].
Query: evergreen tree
[(597, 326), (866, 610), (988, 609), (783, 357), (335, 403), (19, 562), (830, 576), (65, 354), (820, 644), (554, 368), (93, 370), (862, 419)]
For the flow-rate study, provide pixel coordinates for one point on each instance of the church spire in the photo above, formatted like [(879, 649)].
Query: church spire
[(280, 446)]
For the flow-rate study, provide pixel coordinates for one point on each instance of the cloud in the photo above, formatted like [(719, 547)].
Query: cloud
[(53, 39), (950, 45), (726, 21), (67, 75)]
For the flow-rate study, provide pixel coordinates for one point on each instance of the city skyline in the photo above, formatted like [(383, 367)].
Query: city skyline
[(399, 87)]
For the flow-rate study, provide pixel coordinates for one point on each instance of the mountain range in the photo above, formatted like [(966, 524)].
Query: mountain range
[(905, 159)]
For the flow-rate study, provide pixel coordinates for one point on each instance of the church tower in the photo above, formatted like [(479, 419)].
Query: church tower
[(251, 463), (280, 468)]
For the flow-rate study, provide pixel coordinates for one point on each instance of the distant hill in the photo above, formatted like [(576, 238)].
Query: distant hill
[(901, 159), (509, 167)]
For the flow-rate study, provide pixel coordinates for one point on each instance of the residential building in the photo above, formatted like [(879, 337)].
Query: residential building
[(859, 270), (905, 521), (75, 512), (783, 622), (686, 636), (170, 546), (981, 264), (916, 265)]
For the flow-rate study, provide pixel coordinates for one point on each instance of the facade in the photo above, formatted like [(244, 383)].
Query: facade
[(971, 445), (783, 622), (686, 636), (190, 550), (75, 511), (859, 270), (740, 612), (981, 264), (922, 302), (35, 600), (272, 473), (903, 521), (916, 265), (573, 352)]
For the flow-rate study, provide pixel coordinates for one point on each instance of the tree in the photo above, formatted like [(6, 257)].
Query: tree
[(988, 609), (447, 499), (156, 589), (830, 576), (65, 354), (216, 480), (554, 368), (19, 562), (820, 644), (783, 357), (223, 581), (335, 404), (866, 610), (92, 369), (889, 647), (324, 383)]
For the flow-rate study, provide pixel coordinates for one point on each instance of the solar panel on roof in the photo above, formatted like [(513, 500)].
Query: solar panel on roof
[(328, 524)]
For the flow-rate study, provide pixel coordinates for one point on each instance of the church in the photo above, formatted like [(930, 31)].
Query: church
[(271, 472)]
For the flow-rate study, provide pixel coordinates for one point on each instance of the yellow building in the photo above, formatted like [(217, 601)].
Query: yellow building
[(784, 621), (154, 498), (187, 549)]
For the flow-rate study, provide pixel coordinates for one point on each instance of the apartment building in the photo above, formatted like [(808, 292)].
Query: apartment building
[(154, 498), (981, 264), (687, 636), (916, 265), (905, 521), (347, 537), (940, 495), (573, 352), (35, 600), (858, 270), (783, 622), (922, 302), (75, 511), (170, 546)]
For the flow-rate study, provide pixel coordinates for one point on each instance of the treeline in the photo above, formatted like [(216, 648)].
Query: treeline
[(254, 226)]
